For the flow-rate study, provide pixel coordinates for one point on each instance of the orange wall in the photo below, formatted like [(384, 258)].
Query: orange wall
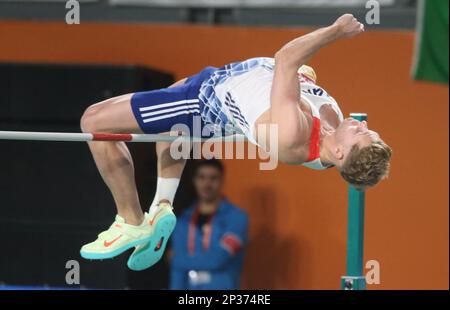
[(298, 217)]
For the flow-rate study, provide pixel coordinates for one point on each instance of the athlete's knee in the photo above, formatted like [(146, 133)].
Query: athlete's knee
[(90, 121)]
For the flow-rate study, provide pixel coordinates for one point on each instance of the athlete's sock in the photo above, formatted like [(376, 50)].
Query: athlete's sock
[(166, 189)]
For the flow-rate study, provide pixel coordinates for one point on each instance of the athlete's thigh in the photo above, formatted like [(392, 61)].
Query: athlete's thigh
[(115, 115)]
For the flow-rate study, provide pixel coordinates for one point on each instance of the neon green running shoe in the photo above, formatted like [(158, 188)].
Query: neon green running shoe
[(117, 239), (163, 223)]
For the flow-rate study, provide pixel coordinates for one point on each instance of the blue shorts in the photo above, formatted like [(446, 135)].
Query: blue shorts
[(157, 111)]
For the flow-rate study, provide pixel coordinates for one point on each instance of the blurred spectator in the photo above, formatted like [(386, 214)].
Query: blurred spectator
[(210, 236)]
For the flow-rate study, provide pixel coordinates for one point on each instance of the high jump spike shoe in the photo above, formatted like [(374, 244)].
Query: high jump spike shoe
[(162, 223), (117, 239)]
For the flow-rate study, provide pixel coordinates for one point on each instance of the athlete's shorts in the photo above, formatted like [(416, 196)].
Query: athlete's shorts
[(157, 111)]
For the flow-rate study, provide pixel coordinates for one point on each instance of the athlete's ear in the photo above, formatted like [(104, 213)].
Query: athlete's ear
[(339, 152)]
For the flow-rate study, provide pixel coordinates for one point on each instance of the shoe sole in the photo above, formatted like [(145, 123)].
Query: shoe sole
[(117, 252), (154, 250)]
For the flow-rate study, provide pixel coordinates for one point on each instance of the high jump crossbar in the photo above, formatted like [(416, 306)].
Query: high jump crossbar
[(88, 137), (355, 279)]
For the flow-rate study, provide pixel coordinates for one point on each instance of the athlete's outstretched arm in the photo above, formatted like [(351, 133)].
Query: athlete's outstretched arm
[(297, 52), (286, 90)]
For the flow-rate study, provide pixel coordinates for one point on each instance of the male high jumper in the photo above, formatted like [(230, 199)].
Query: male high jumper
[(243, 96)]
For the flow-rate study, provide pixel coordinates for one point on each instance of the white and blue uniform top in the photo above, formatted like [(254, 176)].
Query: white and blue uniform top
[(239, 93)]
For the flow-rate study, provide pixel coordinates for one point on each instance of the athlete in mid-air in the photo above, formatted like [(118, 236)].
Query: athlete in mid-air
[(244, 96)]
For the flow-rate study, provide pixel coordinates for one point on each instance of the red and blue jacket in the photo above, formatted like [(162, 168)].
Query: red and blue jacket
[(208, 252)]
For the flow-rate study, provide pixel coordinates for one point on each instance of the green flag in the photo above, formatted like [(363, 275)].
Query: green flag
[(431, 59)]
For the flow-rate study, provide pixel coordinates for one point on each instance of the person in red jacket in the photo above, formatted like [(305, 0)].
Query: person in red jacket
[(209, 240)]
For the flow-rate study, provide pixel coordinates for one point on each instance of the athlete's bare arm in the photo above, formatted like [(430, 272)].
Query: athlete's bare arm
[(285, 111)]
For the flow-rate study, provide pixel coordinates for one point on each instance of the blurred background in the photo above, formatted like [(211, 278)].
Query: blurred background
[(53, 200)]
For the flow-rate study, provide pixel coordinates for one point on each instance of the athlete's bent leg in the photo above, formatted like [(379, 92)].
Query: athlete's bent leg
[(116, 168), (162, 218), (113, 159), (169, 171), (149, 112)]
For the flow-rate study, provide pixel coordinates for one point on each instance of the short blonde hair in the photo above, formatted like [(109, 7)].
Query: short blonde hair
[(367, 166)]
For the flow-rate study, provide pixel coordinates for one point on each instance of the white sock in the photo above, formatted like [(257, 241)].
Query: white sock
[(166, 188)]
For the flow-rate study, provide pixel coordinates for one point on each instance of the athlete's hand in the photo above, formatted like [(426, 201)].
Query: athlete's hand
[(348, 26)]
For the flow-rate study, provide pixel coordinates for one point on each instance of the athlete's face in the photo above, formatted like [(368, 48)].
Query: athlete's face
[(208, 183), (353, 132)]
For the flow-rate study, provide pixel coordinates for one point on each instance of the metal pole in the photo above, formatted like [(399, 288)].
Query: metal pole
[(355, 279)]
